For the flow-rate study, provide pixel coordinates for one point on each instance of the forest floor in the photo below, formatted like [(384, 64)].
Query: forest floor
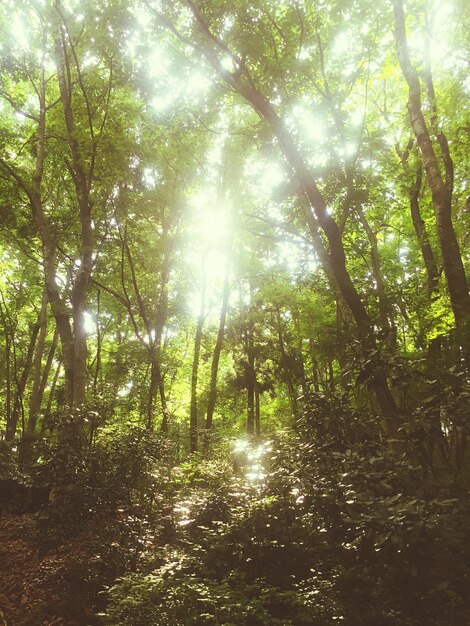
[(38, 583)]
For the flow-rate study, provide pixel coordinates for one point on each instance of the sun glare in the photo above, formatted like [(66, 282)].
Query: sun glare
[(211, 226), (264, 175), (342, 43), (90, 323), (227, 64), (252, 458), (19, 31), (434, 40), (197, 83), (212, 221)]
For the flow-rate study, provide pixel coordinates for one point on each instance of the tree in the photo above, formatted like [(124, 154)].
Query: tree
[(441, 185), (241, 81)]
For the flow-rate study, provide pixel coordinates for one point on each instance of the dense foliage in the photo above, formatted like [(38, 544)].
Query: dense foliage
[(328, 534), (225, 220)]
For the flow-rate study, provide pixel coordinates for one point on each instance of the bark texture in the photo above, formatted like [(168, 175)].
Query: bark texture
[(441, 186)]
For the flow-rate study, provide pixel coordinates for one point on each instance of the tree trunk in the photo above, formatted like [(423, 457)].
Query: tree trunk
[(152, 338), (334, 261), (97, 373), (212, 399), (58, 306), (250, 378), (300, 352), (289, 379), (314, 364), (152, 392), (165, 425), (257, 411), (159, 327), (385, 313), (193, 421), (441, 191), (40, 377), (38, 329), (420, 229), (82, 183), (250, 395), (8, 342), (40, 383), (156, 387), (48, 411)]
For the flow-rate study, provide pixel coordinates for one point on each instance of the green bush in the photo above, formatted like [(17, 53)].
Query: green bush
[(121, 487), (340, 529)]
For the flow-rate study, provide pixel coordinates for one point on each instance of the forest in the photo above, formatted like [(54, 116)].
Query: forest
[(234, 312)]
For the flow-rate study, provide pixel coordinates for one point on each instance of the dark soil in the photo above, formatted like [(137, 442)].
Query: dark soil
[(42, 585)]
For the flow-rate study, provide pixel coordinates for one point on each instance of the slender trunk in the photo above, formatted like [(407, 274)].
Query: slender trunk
[(165, 425), (156, 387), (153, 388), (98, 345), (285, 366), (152, 339), (420, 229), (193, 421), (257, 411), (82, 183), (39, 381), (300, 352), (80, 351), (212, 399), (8, 396), (441, 190), (159, 327), (316, 211), (8, 341), (385, 315), (431, 95), (58, 306), (250, 370), (343, 332), (331, 374), (38, 328), (48, 411), (314, 364), (39, 385), (250, 395)]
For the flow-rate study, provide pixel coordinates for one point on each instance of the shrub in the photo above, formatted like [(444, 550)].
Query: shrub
[(341, 528)]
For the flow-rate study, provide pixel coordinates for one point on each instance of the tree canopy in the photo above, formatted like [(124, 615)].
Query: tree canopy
[(239, 221)]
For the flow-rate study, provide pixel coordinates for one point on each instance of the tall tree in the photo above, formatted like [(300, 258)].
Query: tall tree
[(193, 409), (440, 184), (212, 397), (240, 79)]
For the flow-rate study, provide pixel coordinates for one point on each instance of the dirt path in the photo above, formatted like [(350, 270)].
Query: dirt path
[(39, 588)]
